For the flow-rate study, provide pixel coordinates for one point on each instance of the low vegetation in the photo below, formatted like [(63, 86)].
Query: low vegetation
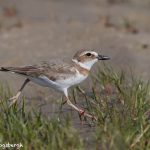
[(34, 131), (121, 103)]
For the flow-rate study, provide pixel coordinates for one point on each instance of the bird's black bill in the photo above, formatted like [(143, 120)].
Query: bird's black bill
[(101, 57)]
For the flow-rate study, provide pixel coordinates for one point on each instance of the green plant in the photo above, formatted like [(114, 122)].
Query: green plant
[(33, 130), (120, 102)]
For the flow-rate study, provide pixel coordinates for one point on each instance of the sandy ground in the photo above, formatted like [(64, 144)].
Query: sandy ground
[(36, 30)]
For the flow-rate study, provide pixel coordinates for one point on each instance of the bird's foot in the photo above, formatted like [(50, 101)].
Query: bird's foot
[(83, 113), (13, 100)]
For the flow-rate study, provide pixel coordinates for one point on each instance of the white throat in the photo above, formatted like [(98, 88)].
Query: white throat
[(86, 65)]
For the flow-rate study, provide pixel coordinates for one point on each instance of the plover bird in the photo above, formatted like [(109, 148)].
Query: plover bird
[(59, 76)]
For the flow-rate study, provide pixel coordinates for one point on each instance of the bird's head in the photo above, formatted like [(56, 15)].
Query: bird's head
[(87, 58)]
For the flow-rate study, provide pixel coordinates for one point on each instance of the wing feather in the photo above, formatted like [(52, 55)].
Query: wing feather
[(52, 70)]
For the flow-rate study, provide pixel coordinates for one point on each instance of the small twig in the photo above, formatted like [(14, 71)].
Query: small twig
[(84, 94), (138, 138)]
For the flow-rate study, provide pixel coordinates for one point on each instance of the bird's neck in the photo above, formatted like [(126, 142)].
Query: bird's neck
[(81, 68), (87, 65)]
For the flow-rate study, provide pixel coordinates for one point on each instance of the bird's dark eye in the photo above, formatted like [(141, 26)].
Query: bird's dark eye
[(88, 54)]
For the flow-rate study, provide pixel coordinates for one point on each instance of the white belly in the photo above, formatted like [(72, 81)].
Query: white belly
[(72, 80), (59, 84)]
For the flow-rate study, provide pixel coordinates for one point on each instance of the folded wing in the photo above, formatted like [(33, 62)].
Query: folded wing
[(52, 71)]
